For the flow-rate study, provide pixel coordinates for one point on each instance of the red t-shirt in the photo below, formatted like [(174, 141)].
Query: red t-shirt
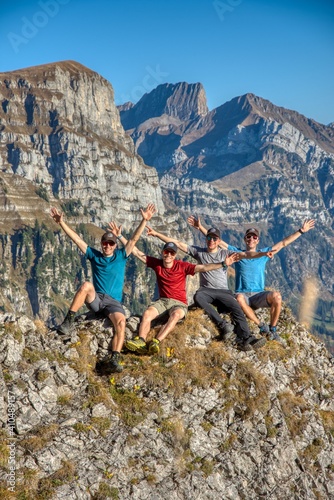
[(171, 282)]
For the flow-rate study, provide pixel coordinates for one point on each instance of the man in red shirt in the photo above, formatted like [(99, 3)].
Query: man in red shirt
[(171, 277)]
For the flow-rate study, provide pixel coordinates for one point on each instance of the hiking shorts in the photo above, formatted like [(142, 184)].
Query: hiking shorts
[(106, 304), (256, 300), (163, 305)]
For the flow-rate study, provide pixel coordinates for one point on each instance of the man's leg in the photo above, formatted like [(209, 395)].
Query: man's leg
[(248, 311), (275, 303), (175, 316), (138, 344), (86, 293), (118, 321), (233, 307), (203, 298), (145, 325)]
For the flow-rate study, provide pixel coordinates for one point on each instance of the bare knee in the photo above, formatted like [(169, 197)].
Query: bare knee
[(240, 299), (86, 287), (276, 298), (176, 315), (118, 321)]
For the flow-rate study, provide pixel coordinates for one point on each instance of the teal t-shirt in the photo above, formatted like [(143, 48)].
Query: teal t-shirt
[(108, 272), (250, 274)]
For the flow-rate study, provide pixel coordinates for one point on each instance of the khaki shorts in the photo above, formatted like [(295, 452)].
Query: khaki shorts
[(164, 305)]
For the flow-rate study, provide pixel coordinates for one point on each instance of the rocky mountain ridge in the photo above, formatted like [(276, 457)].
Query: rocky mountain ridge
[(245, 163), (202, 420)]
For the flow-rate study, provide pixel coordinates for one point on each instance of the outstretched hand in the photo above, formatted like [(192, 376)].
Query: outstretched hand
[(308, 224), (56, 215), (232, 258), (116, 230), (148, 213), (150, 231), (194, 221)]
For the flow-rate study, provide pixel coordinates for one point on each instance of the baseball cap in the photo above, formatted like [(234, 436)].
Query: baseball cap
[(108, 237), (214, 231), (170, 246), (252, 230)]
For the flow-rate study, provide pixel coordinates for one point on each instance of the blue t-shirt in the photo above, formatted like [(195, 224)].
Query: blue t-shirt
[(250, 273), (108, 272)]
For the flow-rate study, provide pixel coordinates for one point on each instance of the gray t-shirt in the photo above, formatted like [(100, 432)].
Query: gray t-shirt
[(211, 279)]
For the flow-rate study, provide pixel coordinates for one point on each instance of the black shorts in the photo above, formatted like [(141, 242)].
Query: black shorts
[(106, 304)]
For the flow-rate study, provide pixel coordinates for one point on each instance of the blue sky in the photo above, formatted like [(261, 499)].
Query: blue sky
[(280, 50)]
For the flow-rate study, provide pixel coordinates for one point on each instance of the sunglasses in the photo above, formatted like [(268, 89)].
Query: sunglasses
[(168, 252), (249, 236), (106, 243), (213, 238)]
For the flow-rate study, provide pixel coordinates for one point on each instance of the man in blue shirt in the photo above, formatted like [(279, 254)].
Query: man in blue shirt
[(108, 270), (250, 276)]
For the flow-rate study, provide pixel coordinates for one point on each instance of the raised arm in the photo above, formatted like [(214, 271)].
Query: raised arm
[(130, 244), (252, 254), (196, 223), (147, 215), (182, 246), (307, 225), (230, 259), (58, 218)]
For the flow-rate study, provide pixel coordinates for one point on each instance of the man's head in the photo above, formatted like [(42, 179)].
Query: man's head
[(212, 239), (252, 237), (108, 243), (169, 253)]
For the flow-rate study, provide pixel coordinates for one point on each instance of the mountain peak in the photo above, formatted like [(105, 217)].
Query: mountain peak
[(182, 100)]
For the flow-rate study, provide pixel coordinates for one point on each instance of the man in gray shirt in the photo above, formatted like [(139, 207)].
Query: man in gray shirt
[(214, 290)]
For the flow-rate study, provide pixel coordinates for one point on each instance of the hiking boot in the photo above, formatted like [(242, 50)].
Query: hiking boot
[(114, 364), (67, 325), (154, 347), (252, 343), (273, 335), (137, 345), (226, 331), (264, 329)]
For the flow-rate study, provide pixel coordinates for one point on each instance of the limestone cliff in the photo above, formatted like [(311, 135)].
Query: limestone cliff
[(62, 143)]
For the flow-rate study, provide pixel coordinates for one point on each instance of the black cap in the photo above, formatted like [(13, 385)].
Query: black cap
[(108, 237), (252, 230), (214, 231), (170, 246)]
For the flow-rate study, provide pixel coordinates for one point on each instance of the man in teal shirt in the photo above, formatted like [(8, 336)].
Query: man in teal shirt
[(250, 276), (108, 270)]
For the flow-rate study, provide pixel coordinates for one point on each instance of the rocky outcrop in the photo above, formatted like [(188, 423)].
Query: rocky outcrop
[(202, 420)]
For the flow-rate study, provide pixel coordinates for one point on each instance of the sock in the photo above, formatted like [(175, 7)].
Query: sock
[(115, 353)]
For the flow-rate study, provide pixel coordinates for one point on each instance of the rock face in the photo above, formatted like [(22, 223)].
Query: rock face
[(202, 420), (62, 144), (248, 163)]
